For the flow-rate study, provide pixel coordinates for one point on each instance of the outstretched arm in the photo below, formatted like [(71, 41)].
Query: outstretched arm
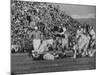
[(32, 33)]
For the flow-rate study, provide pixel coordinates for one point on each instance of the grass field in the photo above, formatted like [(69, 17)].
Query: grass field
[(22, 63)]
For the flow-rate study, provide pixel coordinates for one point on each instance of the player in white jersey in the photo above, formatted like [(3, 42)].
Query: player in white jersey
[(82, 43)]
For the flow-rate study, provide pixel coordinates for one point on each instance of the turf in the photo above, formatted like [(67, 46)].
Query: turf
[(22, 63)]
